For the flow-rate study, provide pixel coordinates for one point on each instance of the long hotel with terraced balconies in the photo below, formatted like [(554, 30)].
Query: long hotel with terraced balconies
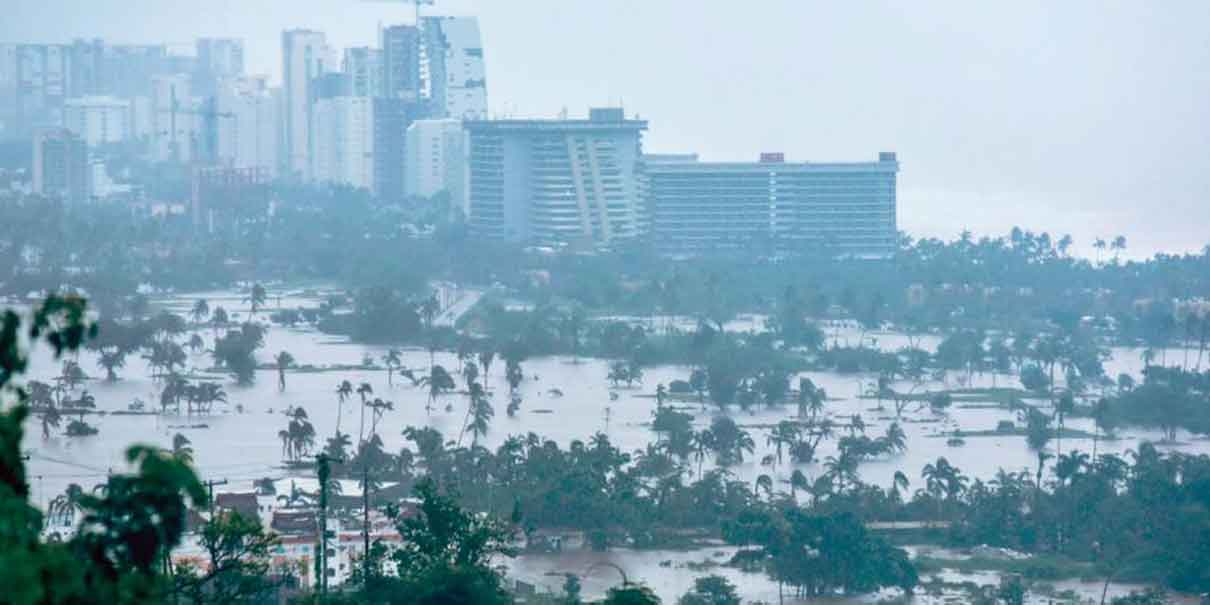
[(587, 184)]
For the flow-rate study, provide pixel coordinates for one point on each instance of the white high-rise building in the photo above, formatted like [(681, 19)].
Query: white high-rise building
[(343, 131), (221, 57), (248, 132), (304, 54), (436, 160), (99, 119), (363, 68), (457, 81)]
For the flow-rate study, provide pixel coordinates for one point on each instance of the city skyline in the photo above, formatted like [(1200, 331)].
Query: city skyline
[(1042, 123)]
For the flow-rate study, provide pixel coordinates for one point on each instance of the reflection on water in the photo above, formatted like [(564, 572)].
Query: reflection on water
[(244, 447)]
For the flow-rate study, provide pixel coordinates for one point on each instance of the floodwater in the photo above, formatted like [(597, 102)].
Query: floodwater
[(241, 447)]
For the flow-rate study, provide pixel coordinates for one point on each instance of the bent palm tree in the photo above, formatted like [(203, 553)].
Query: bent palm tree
[(284, 361)]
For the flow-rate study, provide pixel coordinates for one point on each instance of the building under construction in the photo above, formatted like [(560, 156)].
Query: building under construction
[(222, 195)]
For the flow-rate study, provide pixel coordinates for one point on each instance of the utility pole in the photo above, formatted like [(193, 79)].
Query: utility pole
[(210, 487), (365, 519), (324, 469)]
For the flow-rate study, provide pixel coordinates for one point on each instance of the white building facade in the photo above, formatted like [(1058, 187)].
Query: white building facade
[(436, 160), (248, 131), (344, 141), (99, 120), (456, 78), (304, 53)]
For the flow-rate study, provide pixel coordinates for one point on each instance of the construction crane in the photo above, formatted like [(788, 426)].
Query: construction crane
[(209, 114), (417, 3)]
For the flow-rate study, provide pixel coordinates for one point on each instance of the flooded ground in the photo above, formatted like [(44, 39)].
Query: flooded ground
[(241, 447)]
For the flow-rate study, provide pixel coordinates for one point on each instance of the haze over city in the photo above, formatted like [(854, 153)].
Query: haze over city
[(1067, 116), (609, 302)]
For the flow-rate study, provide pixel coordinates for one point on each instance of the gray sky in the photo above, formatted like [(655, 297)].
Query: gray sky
[(1083, 117)]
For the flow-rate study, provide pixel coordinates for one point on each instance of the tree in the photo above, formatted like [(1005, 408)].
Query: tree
[(236, 351), (711, 590), (631, 594), (181, 449), (391, 360), (444, 556), (486, 357), (284, 361), (344, 390), (256, 298), (238, 552), (438, 382), (200, 311), (364, 390), (111, 360)]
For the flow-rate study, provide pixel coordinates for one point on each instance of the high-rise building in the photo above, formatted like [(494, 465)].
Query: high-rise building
[(43, 72), (436, 160), (61, 169), (248, 129), (99, 119), (86, 69), (217, 59), (772, 205), (344, 141), (457, 81), (8, 88), (392, 117), (555, 182), (303, 56), (129, 69), (401, 59), (363, 68)]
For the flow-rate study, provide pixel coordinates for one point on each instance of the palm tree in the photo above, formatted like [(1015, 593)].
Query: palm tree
[(111, 359), (284, 361), (899, 482), (798, 480), (378, 407), (181, 449), (429, 310), (934, 476), (841, 470), (486, 357), (257, 298), (1118, 246), (895, 439), (207, 394), (438, 381), (784, 434), (765, 483), (196, 344), (200, 311), (338, 446), (1099, 244), (344, 390), (50, 418), (1069, 466), (481, 416), (391, 360), (703, 442), (218, 319), (363, 390), (811, 399)]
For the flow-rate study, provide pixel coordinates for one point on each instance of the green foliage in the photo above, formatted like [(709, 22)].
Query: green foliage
[(128, 528), (238, 552), (631, 594), (711, 590), (236, 351)]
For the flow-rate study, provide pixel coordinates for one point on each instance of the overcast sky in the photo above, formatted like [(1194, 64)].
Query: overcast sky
[(1082, 117)]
